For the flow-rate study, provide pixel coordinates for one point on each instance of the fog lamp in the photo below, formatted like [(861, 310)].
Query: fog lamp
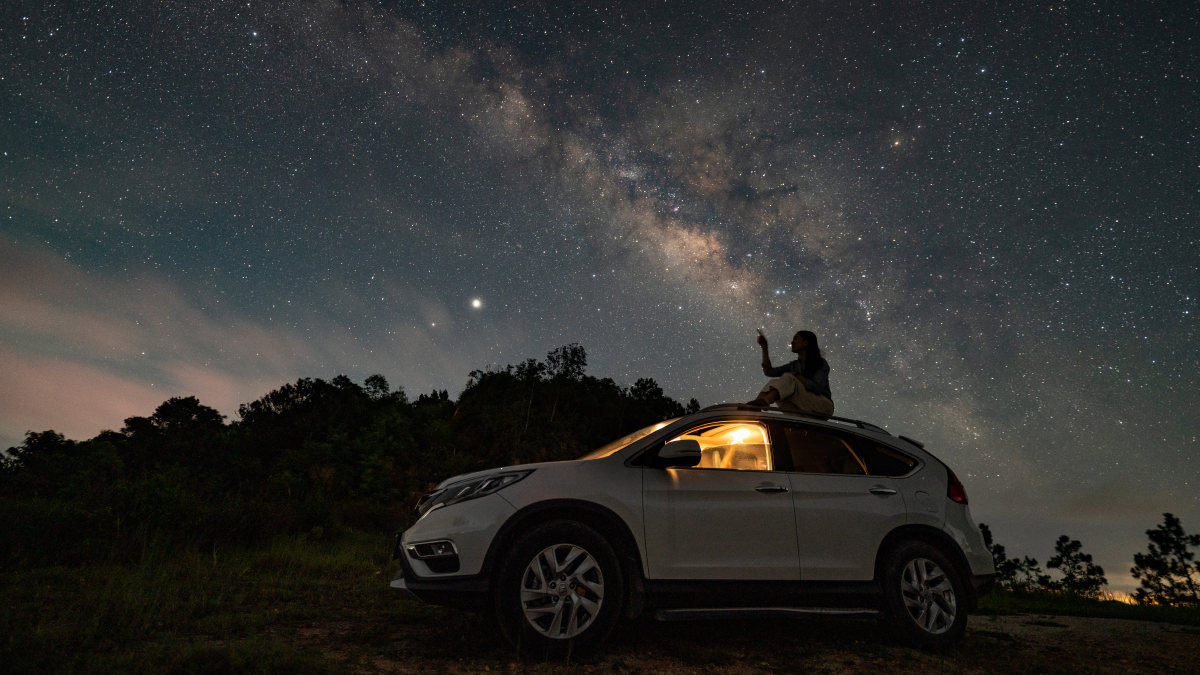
[(443, 548)]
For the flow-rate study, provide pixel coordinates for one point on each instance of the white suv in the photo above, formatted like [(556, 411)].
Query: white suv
[(732, 509)]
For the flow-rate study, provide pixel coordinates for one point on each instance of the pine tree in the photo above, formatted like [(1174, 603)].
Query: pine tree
[(1168, 570), (1080, 574)]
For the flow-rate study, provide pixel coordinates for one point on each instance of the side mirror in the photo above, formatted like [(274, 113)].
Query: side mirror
[(679, 453)]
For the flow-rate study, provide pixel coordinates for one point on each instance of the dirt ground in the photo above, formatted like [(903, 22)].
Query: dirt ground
[(993, 644), (1084, 645)]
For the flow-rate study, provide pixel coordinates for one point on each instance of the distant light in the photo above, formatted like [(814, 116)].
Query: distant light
[(476, 303)]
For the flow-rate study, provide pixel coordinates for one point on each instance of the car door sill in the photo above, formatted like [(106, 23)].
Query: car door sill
[(700, 613)]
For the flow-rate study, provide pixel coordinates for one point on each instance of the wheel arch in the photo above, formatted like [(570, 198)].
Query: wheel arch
[(939, 540), (600, 518)]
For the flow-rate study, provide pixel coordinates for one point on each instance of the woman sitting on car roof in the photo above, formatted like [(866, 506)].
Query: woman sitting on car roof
[(801, 385)]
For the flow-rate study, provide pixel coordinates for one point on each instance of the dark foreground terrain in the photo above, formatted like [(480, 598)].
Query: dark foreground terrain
[(1010, 644), (322, 604)]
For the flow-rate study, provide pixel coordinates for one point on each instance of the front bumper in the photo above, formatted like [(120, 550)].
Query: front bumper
[(466, 529), (469, 593)]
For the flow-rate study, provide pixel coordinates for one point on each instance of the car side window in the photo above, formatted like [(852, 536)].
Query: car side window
[(735, 445), (818, 451), (884, 461)]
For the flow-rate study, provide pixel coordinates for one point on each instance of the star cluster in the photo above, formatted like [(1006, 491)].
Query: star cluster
[(987, 215)]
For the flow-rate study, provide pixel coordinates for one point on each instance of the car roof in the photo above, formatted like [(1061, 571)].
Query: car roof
[(834, 421)]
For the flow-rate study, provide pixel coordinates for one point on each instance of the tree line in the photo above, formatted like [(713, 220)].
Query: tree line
[(1168, 571)]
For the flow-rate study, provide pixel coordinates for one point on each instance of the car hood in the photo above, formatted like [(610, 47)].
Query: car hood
[(502, 469)]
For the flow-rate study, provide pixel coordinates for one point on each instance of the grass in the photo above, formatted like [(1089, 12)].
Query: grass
[(320, 603), (238, 610)]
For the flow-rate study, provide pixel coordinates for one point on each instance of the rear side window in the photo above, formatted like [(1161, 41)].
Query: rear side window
[(817, 451), (884, 461), (820, 451)]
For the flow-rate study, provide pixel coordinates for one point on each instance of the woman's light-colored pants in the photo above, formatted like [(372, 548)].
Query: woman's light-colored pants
[(794, 397)]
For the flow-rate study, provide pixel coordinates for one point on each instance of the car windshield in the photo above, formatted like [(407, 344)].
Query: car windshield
[(610, 448)]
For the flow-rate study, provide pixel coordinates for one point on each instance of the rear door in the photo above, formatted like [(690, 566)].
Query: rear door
[(842, 512), (728, 518)]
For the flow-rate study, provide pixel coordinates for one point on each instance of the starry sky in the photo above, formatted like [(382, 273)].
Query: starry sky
[(989, 217)]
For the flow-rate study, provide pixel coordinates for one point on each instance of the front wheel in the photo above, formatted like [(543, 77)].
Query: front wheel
[(924, 596), (559, 588)]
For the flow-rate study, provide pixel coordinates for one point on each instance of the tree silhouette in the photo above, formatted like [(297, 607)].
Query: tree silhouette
[(1080, 574), (567, 362), (32, 465), (1168, 571), (186, 414), (180, 431), (565, 365), (544, 411), (376, 387), (1017, 574), (1028, 575), (654, 405)]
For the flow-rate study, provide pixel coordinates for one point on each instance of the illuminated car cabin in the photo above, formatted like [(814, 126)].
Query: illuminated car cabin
[(738, 445)]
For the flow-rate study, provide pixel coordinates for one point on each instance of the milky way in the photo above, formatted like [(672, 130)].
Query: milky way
[(989, 218)]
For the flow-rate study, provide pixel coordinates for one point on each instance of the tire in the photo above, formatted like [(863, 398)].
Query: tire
[(924, 596), (559, 589)]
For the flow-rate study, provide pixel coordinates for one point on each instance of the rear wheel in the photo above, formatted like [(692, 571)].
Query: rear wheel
[(560, 588), (924, 595)]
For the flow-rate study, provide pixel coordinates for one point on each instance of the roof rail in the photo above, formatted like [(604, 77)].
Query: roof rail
[(844, 420)]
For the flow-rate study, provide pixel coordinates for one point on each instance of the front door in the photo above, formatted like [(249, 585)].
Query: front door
[(728, 518)]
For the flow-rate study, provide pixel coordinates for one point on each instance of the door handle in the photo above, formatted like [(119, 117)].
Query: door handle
[(770, 489), (880, 490)]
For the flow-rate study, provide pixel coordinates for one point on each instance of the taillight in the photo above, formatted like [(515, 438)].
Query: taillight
[(955, 490)]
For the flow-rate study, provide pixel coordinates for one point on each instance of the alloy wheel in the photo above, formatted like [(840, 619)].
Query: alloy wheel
[(928, 596), (562, 590)]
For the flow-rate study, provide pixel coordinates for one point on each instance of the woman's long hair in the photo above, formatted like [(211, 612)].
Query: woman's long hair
[(813, 359)]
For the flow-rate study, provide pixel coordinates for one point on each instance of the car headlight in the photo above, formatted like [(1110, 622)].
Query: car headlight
[(470, 489)]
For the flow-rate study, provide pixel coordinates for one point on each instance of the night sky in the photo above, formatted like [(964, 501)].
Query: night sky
[(990, 218)]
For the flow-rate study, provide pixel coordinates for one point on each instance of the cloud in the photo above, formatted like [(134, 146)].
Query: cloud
[(39, 393), (84, 350), (116, 322)]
